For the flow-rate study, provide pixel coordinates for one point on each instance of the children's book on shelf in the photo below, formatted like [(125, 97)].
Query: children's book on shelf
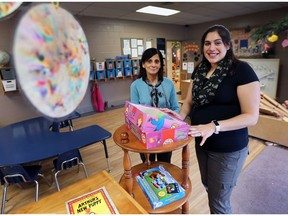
[(154, 127), (94, 202), (159, 186)]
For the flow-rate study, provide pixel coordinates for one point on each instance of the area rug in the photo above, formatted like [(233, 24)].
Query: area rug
[(262, 188)]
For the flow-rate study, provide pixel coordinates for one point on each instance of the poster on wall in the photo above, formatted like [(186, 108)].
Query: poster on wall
[(126, 47), (267, 71), (243, 45), (184, 66), (132, 46), (148, 44), (191, 55), (190, 67), (134, 53)]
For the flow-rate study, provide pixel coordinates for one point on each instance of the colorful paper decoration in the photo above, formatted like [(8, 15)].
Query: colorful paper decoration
[(266, 46), (273, 38), (52, 60), (285, 43), (6, 8)]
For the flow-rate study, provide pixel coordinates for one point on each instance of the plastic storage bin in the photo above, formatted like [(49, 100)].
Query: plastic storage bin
[(110, 65), (100, 66), (100, 75), (118, 64), (9, 85), (127, 63), (110, 73), (119, 72), (128, 71)]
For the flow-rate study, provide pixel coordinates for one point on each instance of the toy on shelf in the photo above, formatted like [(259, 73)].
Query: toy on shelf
[(159, 186)]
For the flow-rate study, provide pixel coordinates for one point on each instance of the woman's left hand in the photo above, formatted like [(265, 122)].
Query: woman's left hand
[(203, 131)]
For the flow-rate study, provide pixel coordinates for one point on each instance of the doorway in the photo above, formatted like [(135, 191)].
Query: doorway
[(174, 62)]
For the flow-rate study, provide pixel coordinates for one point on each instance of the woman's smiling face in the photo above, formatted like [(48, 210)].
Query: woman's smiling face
[(214, 48), (152, 65)]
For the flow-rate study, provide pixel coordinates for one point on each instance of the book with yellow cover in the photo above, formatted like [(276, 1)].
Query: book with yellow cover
[(94, 202)]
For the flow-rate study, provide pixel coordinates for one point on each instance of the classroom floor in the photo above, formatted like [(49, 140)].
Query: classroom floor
[(94, 159)]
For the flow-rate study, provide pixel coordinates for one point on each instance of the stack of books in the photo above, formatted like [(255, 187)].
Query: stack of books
[(159, 186)]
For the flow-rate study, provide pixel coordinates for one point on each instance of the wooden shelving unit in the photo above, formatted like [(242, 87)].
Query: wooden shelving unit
[(129, 183)]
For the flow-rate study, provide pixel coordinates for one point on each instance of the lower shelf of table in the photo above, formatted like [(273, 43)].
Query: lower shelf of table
[(140, 197)]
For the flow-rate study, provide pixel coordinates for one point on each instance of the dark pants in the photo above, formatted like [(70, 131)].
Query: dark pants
[(164, 157), (219, 173)]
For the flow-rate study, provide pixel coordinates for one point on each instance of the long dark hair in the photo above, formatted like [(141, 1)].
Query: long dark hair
[(225, 35), (147, 54)]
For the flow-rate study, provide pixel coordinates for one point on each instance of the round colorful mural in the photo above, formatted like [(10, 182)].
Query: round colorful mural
[(52, 60)]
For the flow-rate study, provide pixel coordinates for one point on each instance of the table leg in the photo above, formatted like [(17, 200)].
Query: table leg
[(128, 173), (70, 124), (185, 166), (147, 160), (185, 207)]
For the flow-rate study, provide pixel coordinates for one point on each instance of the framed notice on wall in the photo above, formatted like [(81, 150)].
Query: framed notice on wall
[(132, 46), (267, 71)]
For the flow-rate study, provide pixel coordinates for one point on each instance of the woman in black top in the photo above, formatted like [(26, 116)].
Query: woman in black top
[(222, 101)]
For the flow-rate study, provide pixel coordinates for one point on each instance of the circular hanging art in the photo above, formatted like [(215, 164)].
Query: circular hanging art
[(6, 8), (52, 60)]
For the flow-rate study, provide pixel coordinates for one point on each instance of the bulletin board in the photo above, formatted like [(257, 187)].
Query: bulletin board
[(191, 55), (244, 45), (132, 46)]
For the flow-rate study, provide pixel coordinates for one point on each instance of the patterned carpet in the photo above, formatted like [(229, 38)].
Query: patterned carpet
[(262, 187)]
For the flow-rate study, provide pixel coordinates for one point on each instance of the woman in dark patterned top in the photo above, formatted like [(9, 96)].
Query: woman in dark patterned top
[(222, 101)]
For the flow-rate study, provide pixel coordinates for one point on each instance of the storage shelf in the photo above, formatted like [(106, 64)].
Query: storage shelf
[(128, 181), (114, 78), (2, 89)]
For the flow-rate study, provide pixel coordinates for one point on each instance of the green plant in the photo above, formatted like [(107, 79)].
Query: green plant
[(275, 27)]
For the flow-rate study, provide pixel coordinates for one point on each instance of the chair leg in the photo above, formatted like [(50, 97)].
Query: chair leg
[(84, 168), (4, 198), (39, 174), (52, 171), (19, 185), (56, 180), (37, 191)]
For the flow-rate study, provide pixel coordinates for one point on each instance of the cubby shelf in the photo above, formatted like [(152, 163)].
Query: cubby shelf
[(114, 78)]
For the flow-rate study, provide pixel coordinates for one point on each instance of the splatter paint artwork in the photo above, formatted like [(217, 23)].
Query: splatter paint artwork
[(52, 60), (7, 8)]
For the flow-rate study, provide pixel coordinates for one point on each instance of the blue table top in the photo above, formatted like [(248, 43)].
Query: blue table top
[(31, 140)]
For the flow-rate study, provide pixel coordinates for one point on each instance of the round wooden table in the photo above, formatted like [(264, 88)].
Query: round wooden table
[(125, 139)]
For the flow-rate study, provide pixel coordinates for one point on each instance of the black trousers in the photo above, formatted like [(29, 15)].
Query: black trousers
[(164, 157)]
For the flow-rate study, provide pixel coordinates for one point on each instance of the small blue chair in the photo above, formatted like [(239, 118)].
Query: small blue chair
[(63, 123), (65, 161), (18, 174)]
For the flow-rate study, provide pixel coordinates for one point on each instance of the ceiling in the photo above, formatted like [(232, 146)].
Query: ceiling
[(191, 12)]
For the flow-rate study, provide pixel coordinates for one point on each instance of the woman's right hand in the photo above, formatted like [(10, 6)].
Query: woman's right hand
[(202, 130)]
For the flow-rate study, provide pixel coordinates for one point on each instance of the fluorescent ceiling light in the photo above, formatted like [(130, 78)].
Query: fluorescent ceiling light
[(157, 11)]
